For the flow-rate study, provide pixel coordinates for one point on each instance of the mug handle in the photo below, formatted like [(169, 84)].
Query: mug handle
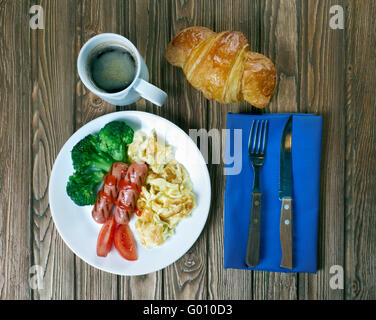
[(150, 92)]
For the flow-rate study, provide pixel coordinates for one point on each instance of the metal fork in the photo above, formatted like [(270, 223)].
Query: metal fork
[(256, 152)]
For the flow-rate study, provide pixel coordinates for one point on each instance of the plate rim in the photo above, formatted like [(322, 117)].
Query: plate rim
[(138, 114)]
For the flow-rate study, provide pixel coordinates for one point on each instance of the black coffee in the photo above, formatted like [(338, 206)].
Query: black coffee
[(112, 69)]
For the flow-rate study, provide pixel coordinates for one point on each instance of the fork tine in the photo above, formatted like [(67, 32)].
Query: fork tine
[(260, 137), (255, 136), (265, 136), (250, 136)]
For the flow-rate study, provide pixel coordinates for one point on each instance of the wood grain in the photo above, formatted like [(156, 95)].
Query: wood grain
[(42, 102), (94, 17), (279, 41), (360, 222), (285, 233), (53, 95), (322, 65), (139, 27), (252, 258), (15, 151), (228, 283), (187, 278)]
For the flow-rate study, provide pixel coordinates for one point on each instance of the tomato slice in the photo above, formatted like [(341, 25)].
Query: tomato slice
[(106, 237), (125, 243)]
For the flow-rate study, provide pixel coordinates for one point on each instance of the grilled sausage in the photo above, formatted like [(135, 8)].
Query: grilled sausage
[(103, 207), (119, 170), (129, 191), (110, 186), (108, 194)]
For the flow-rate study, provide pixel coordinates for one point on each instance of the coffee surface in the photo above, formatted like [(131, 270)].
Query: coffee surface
[(112, 69)]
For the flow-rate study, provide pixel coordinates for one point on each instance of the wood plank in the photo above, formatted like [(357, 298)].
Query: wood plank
[(184, 279), (322, 65), (228, 283), (325, 71), (15, 150), (279, 41), (94, 17), (360, 151), (140, 19), (53, 77), (187, 278)]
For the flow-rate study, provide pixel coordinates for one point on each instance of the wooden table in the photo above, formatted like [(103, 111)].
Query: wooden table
[(321, 70)]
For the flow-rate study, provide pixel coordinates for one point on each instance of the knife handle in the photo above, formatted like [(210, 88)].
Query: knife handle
[(286, 233), (253, 245)]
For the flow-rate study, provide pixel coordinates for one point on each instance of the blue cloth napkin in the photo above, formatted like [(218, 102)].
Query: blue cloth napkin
[(306, 158)]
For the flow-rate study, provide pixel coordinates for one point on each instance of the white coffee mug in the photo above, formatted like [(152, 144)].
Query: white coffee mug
[(140, 87)]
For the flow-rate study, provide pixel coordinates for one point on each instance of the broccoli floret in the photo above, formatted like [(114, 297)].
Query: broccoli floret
[(114, 138), (82, 188), (87, 157)]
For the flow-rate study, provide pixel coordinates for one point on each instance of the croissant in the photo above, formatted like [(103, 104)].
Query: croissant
[(222, 66)]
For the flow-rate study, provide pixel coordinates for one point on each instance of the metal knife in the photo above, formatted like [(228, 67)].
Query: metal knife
[(285, 194)]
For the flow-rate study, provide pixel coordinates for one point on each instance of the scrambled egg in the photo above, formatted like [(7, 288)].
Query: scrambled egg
[(167, 195)]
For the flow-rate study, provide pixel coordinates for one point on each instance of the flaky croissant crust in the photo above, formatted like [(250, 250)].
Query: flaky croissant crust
[(222, 66)]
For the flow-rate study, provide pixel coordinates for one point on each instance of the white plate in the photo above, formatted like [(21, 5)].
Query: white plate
[(80, 232)]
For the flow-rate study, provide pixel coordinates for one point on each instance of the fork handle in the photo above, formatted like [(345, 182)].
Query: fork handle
[(253, 245)]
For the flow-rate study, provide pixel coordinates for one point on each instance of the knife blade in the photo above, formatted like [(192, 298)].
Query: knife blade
[(285, 195)]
